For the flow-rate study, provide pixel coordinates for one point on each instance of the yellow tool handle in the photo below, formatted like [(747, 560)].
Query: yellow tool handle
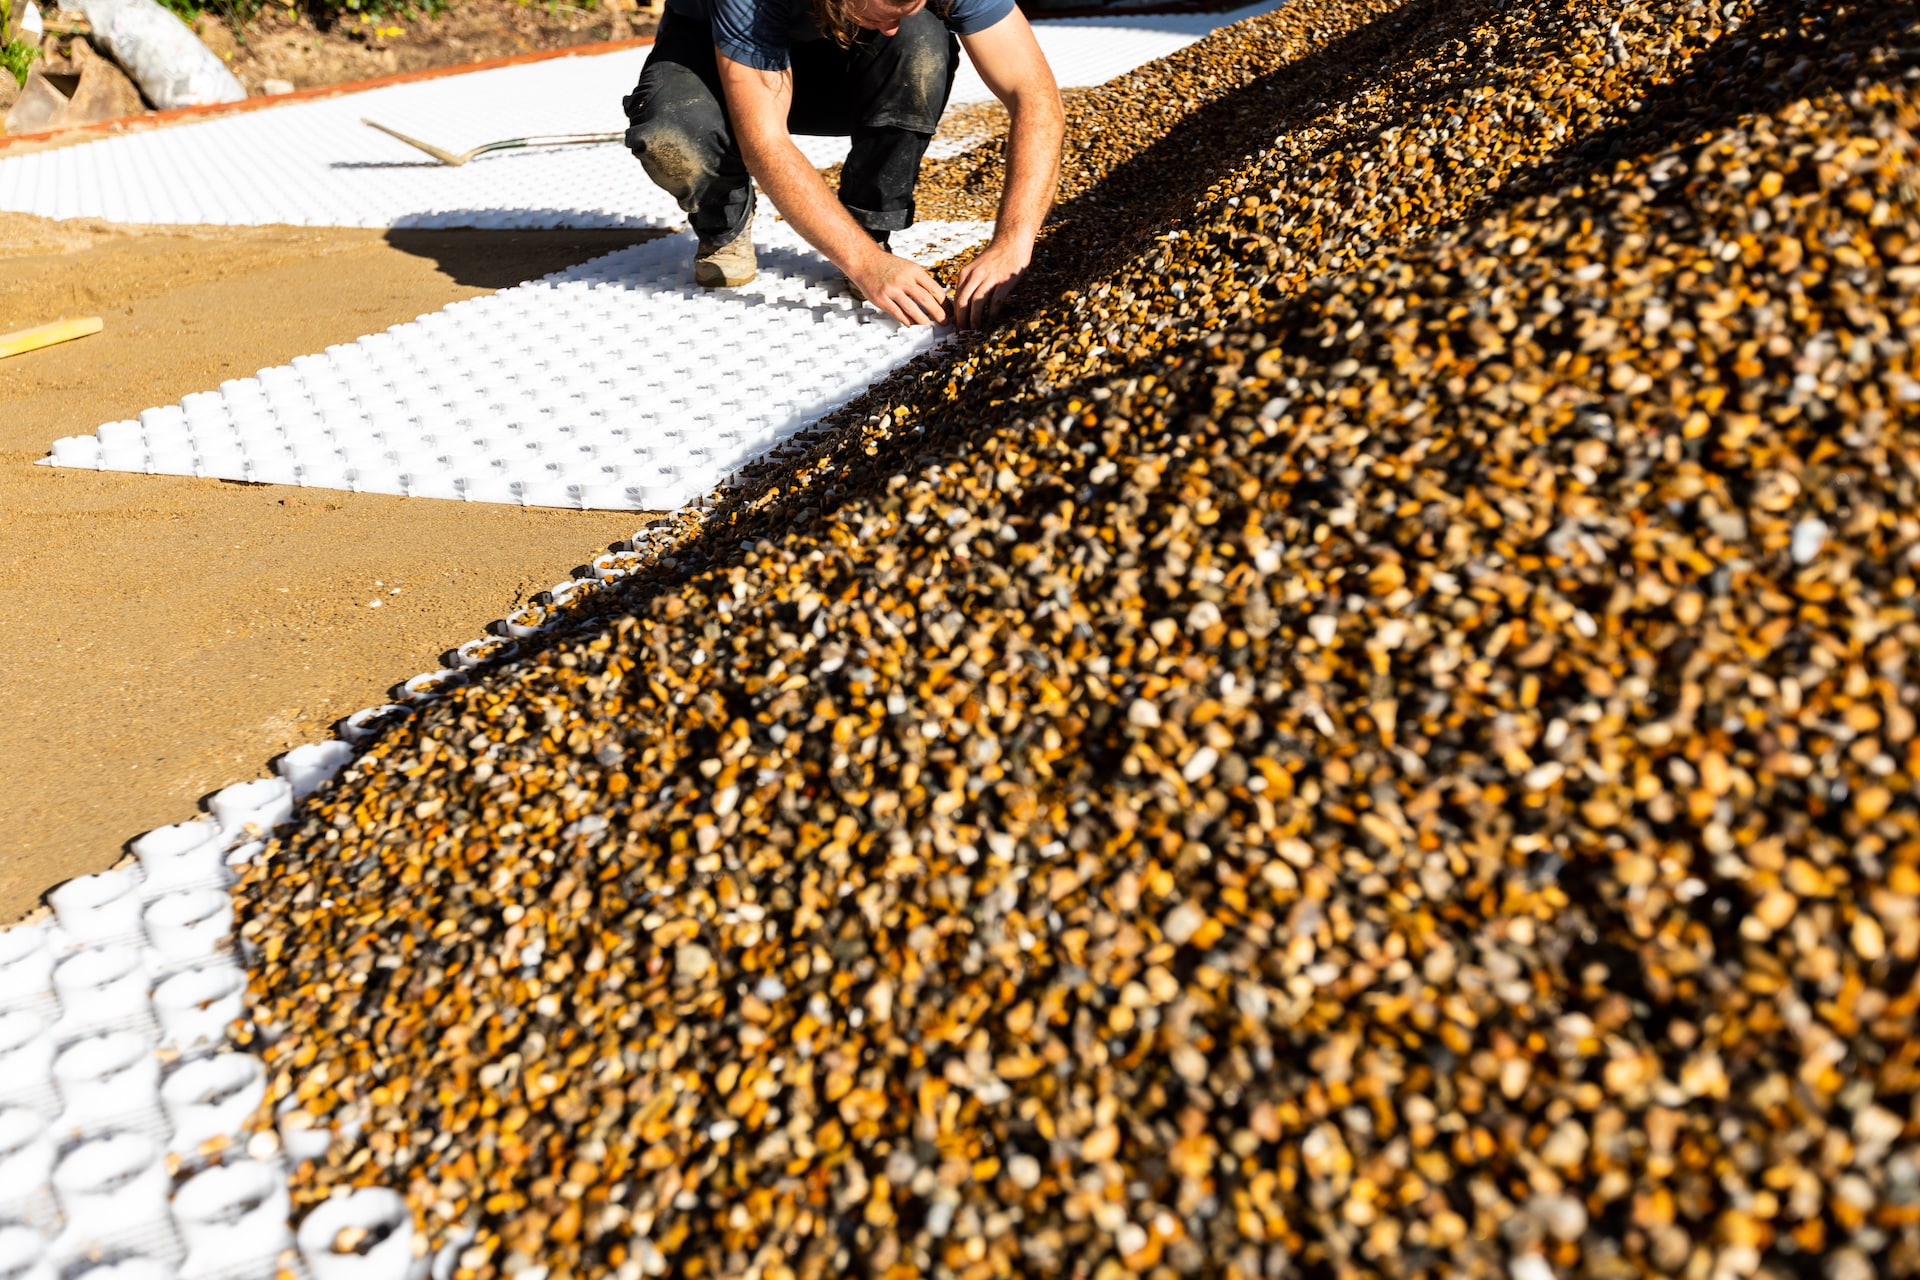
[(12, 344)]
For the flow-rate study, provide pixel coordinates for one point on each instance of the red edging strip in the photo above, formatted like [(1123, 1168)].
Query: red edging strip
[(159, 119)]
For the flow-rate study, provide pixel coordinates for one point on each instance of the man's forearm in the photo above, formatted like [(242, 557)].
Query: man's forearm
[(1034, 136), (759, 102), (804, 199)]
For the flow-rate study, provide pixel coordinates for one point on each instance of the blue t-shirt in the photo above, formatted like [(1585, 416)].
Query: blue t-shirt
[(758, 33)]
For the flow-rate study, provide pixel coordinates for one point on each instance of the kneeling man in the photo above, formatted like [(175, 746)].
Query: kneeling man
[(729, 82)]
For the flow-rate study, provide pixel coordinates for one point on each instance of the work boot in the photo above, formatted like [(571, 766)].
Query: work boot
[(727, 266)]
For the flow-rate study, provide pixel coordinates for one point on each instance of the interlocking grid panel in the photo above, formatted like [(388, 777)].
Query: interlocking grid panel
[(615, 384)]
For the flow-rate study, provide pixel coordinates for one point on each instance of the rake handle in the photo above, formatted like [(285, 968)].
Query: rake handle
[(458, 158)]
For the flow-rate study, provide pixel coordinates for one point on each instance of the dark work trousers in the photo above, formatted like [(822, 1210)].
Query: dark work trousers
[(886, 92)]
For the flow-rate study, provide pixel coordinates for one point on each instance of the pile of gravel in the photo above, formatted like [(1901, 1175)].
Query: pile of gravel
[(1372, 731)]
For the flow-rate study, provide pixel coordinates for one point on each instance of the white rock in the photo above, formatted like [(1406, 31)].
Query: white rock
[(691, 960), (1563, 1217), (1182, 923), (1809, 536), (1530, 1266), (1848, 1263), (1874, 1130), (1200, 764)]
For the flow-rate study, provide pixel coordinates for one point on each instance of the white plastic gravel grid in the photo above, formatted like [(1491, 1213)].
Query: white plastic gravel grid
[(67, 1237), (616, 385), (121, 1063), (314, 164), (172, 1183)]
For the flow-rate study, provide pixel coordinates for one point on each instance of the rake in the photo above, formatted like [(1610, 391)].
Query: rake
[(457, 158)]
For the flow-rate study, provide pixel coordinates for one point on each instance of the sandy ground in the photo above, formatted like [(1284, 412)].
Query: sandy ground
[(169, 636)]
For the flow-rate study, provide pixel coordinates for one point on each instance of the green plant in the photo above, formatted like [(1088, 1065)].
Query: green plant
[(16, 56), (378, 8), (235, 13)]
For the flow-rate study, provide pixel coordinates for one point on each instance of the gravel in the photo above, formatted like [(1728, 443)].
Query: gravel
[(1370, 730)]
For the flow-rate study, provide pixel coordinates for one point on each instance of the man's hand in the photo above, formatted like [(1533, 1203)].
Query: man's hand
[(758, 101), (1008, 58), (900, 287), (986, 281)]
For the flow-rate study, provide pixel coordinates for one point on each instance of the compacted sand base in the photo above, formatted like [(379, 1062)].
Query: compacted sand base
[(167, 636)]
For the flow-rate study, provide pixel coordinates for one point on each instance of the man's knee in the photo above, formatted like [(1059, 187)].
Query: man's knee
[(667, 154), (672, 137), (925, 58)]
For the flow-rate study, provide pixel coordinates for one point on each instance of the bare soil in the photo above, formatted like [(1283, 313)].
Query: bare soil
[(169, 636), (287, 44)]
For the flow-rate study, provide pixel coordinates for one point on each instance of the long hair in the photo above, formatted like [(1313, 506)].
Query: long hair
[(837, 23)]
